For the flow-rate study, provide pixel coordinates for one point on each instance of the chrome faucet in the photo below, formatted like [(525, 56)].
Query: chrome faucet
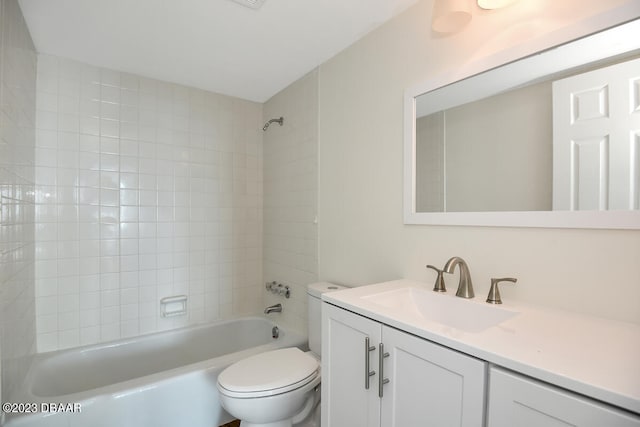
[(276, 308), (465, 287)]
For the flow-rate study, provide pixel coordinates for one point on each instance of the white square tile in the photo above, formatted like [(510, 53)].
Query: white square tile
[(109, 162), (88, 178), (109, 281), (109, 264), (110, 94), (109, 77), (129, 312), (165, 213), (109, 145), (46, 101), (148, 230), (129, 263), (68, 249), (129, 328), (129, 147), (147, 262), (109, 197), (46, 139), (148, 246), (47, 323), (47, 341), (129, 296), (88, 301), (91, 316), (89, 230), (128, 213), (68, 319), (90, 91), (88, 196), (109, 247), (89, 161), (148, 279), (129, 230), (109, 179), (68, 338), (47, 120), (110, 298), (109, 331), (129, 197), (110, 110), (90, 283), (129, 164), (89, 125), (109, 231), (148, 213), (129, 279), (89, 335), (128, 180), (129, 96), (110, 128), (148, 324), (89, 266)]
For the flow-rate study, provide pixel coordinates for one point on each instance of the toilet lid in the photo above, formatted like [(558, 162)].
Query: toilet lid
[(269, 373)]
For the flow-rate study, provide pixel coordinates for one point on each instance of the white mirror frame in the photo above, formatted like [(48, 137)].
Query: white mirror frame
[(536, 65)]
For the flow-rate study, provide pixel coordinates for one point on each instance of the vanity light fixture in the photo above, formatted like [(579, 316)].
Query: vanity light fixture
[(450, 16), (494, 4)]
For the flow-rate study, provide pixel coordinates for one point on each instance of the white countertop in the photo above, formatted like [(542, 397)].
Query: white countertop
[(593, 356)]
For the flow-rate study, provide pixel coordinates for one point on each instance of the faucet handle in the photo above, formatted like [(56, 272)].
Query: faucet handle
[(439, 285), (494, 291)]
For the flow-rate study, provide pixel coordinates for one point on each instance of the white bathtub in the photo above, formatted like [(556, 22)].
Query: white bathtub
[(164, 379)]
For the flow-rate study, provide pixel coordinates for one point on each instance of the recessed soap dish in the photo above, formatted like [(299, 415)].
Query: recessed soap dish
[(173, 306)]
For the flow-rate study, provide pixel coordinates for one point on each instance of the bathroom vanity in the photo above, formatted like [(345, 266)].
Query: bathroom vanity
[(398, 354)]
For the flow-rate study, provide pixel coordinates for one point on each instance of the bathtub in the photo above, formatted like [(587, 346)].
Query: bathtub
[(163, 379)]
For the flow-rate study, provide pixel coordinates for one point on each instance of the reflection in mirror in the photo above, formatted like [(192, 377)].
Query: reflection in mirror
[(551, 140), (491, 155), (496, 154)]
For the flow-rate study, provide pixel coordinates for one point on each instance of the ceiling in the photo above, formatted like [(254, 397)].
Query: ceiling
[(217, 45)]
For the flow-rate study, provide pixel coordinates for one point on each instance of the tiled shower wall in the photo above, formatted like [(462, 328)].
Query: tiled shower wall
[(145, 189), (17, 138), (291, 197)]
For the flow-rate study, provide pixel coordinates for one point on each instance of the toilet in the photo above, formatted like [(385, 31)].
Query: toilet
[(279, 388)]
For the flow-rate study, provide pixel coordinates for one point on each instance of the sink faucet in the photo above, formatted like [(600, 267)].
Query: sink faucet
[(465, 287), (276, 308)]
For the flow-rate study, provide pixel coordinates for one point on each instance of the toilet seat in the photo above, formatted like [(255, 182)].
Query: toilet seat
[(269, 373)]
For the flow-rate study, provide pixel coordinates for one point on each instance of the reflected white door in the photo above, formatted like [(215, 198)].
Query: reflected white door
[(596, 139)]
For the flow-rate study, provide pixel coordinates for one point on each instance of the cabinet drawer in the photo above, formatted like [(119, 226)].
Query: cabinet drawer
[(518, 400)]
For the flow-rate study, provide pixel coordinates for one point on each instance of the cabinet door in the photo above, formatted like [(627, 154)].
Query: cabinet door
[(430, 385), (517, 400), (345, 401)]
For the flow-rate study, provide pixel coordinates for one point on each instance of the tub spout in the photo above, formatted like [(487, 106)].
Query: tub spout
[(276, 308)]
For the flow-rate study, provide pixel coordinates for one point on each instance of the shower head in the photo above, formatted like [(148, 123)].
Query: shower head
[(280, 121)]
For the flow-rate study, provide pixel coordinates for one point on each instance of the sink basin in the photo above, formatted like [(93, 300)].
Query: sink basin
[(441, 308)]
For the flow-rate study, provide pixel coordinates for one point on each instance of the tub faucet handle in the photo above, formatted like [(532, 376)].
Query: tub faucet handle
[(439, 284), (494, 291)]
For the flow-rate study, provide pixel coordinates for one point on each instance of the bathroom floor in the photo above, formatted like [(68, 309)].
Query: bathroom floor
[(235, 423)]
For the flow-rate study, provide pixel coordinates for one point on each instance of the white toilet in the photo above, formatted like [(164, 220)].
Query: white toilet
[(279, 388)]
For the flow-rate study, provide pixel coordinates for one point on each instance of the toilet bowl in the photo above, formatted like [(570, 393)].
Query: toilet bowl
[(279, 388)]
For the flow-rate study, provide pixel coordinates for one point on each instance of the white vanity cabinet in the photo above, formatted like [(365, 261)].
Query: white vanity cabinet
[(428, 384), (518, 400)]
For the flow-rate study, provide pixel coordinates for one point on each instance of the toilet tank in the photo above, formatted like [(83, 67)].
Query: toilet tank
[(314, 295)]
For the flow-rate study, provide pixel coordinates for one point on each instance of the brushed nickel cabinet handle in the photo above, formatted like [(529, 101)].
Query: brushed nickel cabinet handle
[(381, 379), (367, 373)]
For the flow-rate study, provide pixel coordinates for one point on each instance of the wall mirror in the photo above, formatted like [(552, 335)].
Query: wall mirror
[(550, 140)]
